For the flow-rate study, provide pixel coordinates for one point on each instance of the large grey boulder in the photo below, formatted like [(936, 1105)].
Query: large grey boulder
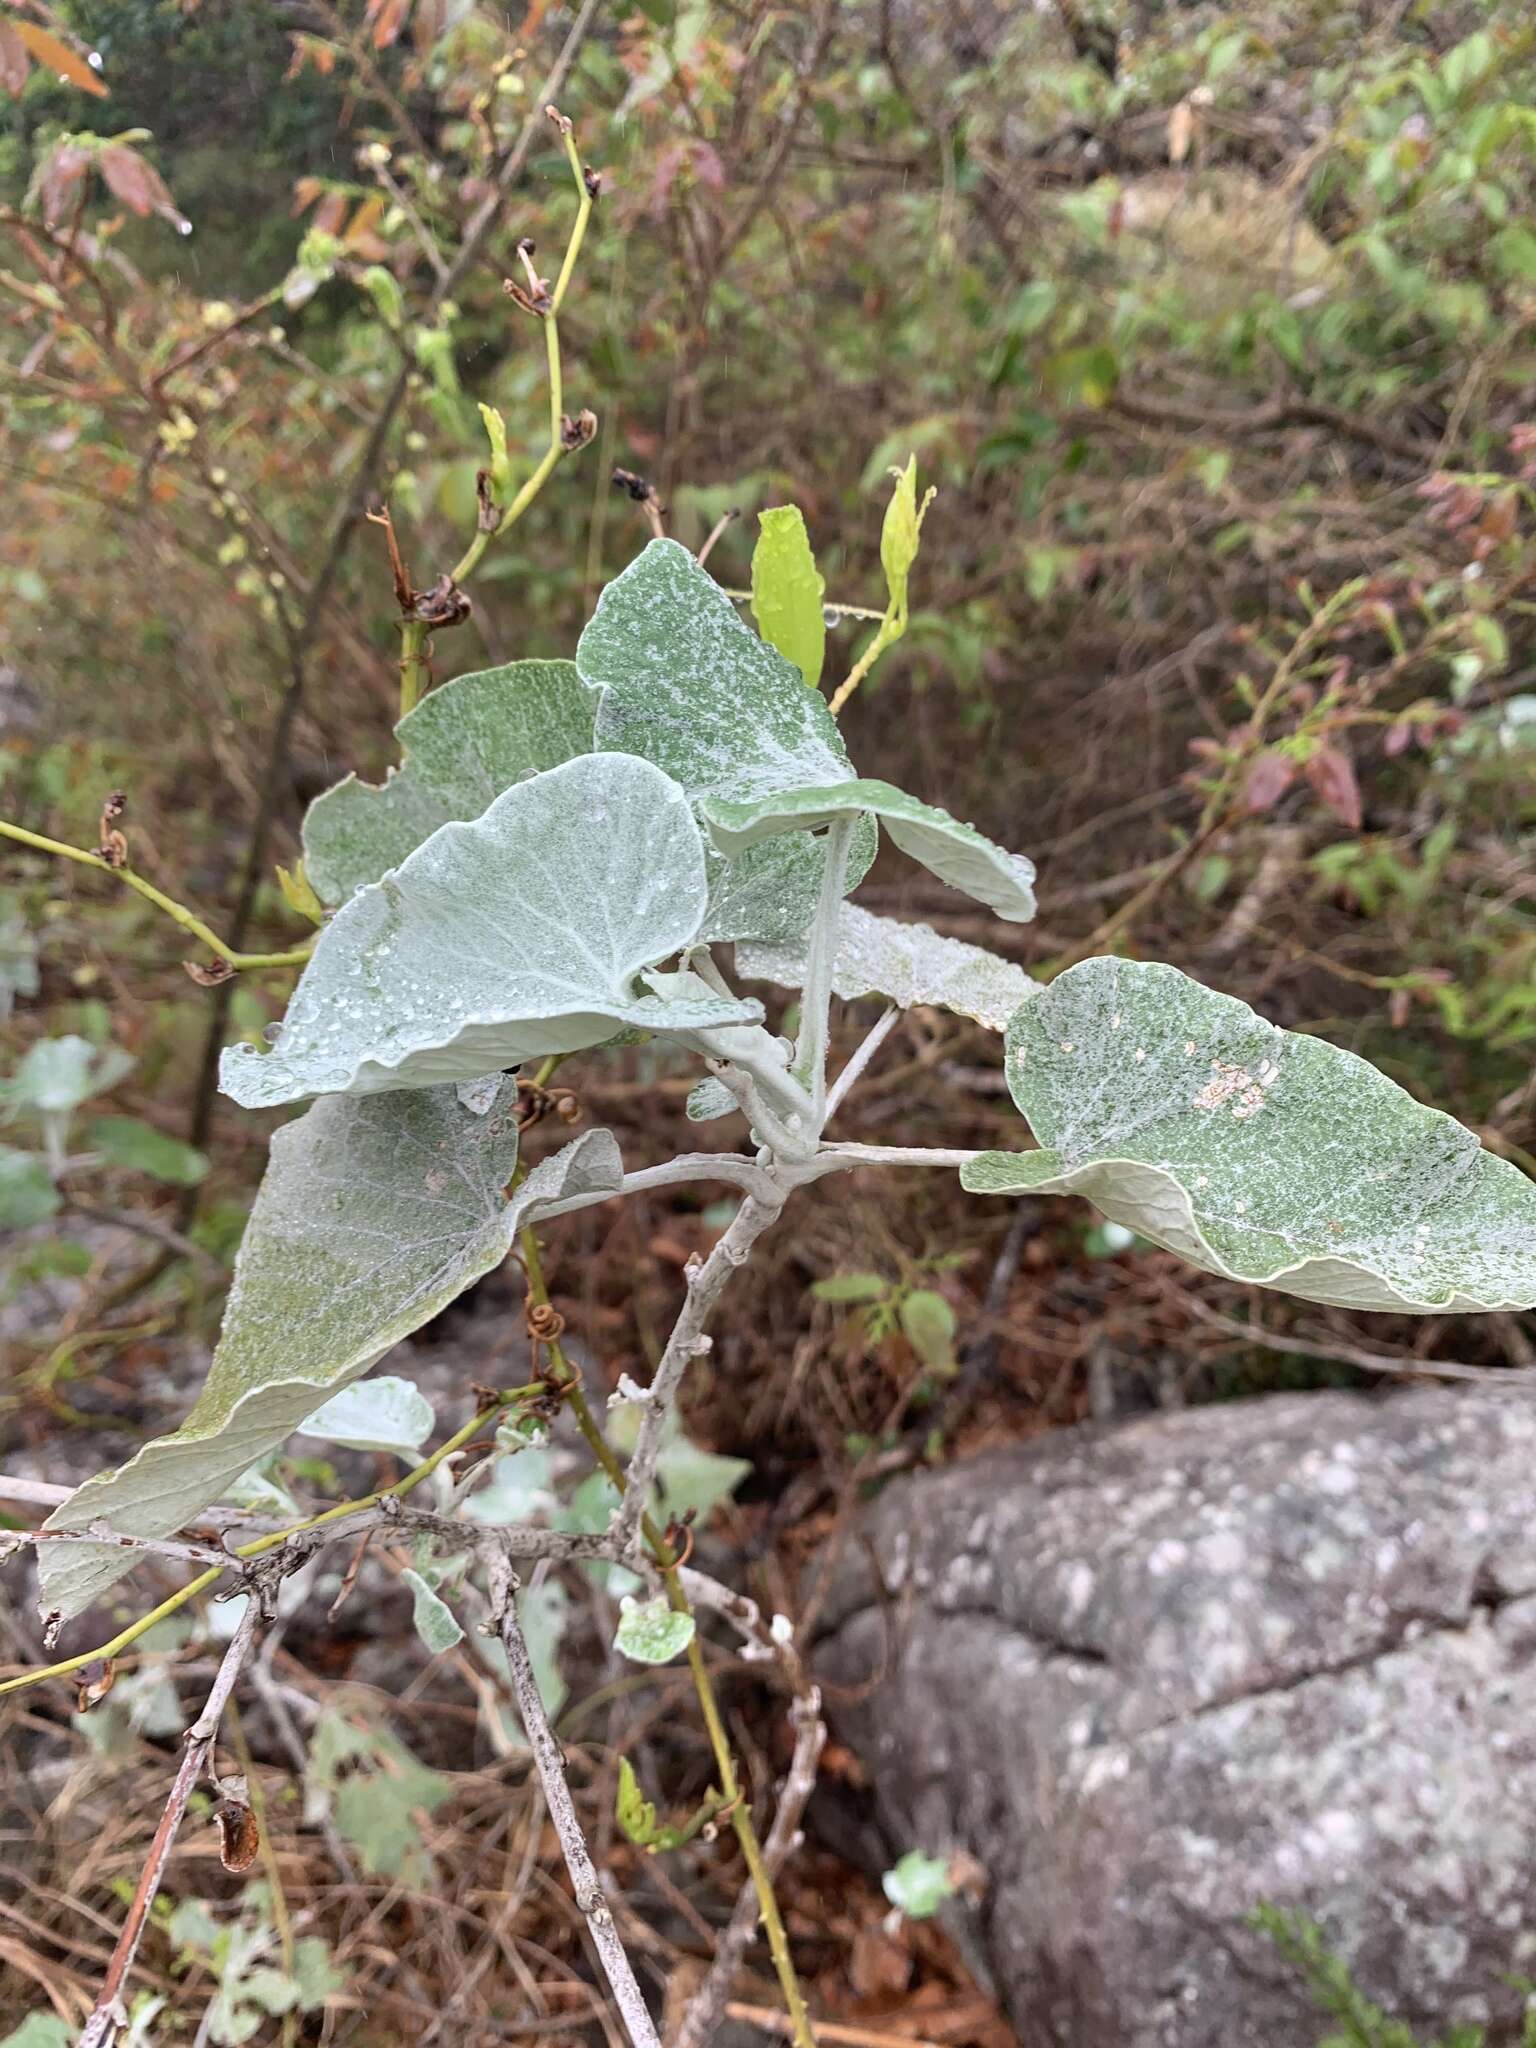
[(1150, 1676)]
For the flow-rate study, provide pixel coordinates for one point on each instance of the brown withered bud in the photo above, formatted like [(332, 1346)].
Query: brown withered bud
[(566, 1106), (526, 245), (558, 120), (239, 1834), (208, 977), (593, 180), (640, 488), (487, 512), (576, 433), (114, 847), (443, 605), (94, 1681)]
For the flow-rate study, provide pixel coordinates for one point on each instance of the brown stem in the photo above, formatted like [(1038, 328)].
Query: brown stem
[(109, 2014)]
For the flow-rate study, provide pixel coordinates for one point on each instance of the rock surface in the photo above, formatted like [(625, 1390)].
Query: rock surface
[(1151, 1676)]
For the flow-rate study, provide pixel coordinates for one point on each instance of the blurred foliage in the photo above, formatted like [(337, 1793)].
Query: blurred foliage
[(1214, 328)]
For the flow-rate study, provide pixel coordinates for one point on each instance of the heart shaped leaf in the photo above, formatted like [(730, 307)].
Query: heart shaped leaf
[(519, 934), (1254, 1152), (374, 1214), (462, 746), (691, 688), (910, 963), (956, 853)]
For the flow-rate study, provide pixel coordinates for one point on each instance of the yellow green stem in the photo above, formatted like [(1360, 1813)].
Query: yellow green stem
[(703, 1685), (259, 1545), (414, 671), (177, 912), (469, 560)]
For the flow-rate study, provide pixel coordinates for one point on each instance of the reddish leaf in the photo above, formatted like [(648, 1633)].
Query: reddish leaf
[(1397, 739), (387, 18), (137, 183), (1268, 779), (331, 212), (1332, 775), (707, 167), (58, 56), (14, 61), (59, 176)]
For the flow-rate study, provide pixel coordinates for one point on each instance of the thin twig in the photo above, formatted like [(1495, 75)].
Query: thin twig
[(109, 2014), (549, 1760)]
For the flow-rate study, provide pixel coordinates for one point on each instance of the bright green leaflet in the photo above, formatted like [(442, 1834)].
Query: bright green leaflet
[(912, 964), (518, 935), (461, 747), (956, 853), (787, 590), (374, 1214), (691, 688), (1254, 1152), (127, 1141)]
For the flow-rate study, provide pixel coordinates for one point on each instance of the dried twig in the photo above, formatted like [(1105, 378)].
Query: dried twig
[(109, 2014), (549, 1760)]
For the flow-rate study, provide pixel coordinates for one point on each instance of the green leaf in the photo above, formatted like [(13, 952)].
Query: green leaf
[(377, 1791), (58, 1074), (1514, 250), (40, 2030), (517, 935), (787, 590), (635, 1813), (374, 1214), (432, 1618), (690, 1479), (692, 689), (918, 1885), (1257, 1153), (299, 894), (928, 1324), (956, 853), (842, 1287), (910, 963), (462, 746), (380, 1414), (126, 1141), (650, 1632), (27, 1192)]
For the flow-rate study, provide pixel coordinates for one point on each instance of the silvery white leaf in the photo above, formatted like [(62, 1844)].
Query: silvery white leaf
[(431, 1616), (381, 1414), (955, 852), (687, 685), (374, 1214), (521, 933), (912, 964), (462, 746), (1257, 1153)]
